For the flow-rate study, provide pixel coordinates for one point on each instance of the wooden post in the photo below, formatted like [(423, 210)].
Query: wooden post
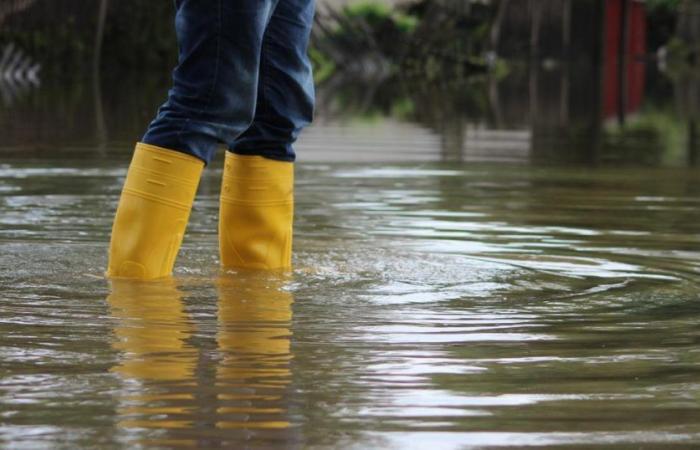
[(100, 124), (622, 57), (566, 30), (536, 22), (99, 33)]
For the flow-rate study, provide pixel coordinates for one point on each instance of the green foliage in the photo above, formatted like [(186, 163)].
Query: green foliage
[(653, 6), (650, 137), (681, 58), (377, 14), (362, 28), (404, 39), (323, 66), (406, 23), (373, 12)]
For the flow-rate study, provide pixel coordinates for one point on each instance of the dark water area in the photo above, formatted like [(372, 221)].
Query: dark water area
[(554, 114), (491, 263)]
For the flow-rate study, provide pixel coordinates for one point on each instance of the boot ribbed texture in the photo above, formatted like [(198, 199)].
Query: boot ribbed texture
[(153, 212), (256, 213)]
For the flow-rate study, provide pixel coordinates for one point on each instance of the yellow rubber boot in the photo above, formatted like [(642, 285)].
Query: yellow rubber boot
[(153, 213), (256, 213)]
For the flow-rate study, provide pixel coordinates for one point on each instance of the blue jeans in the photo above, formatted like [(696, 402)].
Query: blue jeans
[(243, 79)]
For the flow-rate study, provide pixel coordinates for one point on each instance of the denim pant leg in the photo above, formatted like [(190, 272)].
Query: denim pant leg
[(285, 102), (213, 97)]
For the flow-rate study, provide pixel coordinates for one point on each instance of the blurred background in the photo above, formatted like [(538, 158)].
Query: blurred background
[(497, 237), (602, 82)]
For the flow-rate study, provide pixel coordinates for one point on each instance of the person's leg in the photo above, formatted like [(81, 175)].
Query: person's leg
[(211, 102), (257, 198), (285, 102), (214, 91)]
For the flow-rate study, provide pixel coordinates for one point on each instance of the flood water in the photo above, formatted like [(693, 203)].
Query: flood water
[(472, 295)]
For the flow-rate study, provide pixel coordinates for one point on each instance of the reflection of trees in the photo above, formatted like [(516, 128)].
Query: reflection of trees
[(68, 114), (549, 114), (442, 105), (554, 111), (551, 110)]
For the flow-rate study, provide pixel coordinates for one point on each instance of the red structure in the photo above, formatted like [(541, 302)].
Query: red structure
[(624, 50)]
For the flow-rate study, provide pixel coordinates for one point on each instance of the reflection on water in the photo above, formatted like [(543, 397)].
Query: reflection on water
[(172, 394), (254, 338), (546, 114), (152, 332), (434, 304)]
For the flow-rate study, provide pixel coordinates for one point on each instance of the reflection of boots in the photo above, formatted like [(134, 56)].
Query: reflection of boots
[(256, 213), (153, 212), (254, 336), (151, 330)]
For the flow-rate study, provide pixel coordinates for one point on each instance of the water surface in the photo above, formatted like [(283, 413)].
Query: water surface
[(470, 272), (432, 304)]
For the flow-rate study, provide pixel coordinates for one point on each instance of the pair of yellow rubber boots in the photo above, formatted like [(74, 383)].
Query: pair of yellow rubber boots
[(255, 216)]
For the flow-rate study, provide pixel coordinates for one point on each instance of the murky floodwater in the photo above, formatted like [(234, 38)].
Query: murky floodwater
[(432, 306), (449, 290)]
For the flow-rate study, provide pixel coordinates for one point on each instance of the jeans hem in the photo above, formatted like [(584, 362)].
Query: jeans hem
[(283, 158)]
